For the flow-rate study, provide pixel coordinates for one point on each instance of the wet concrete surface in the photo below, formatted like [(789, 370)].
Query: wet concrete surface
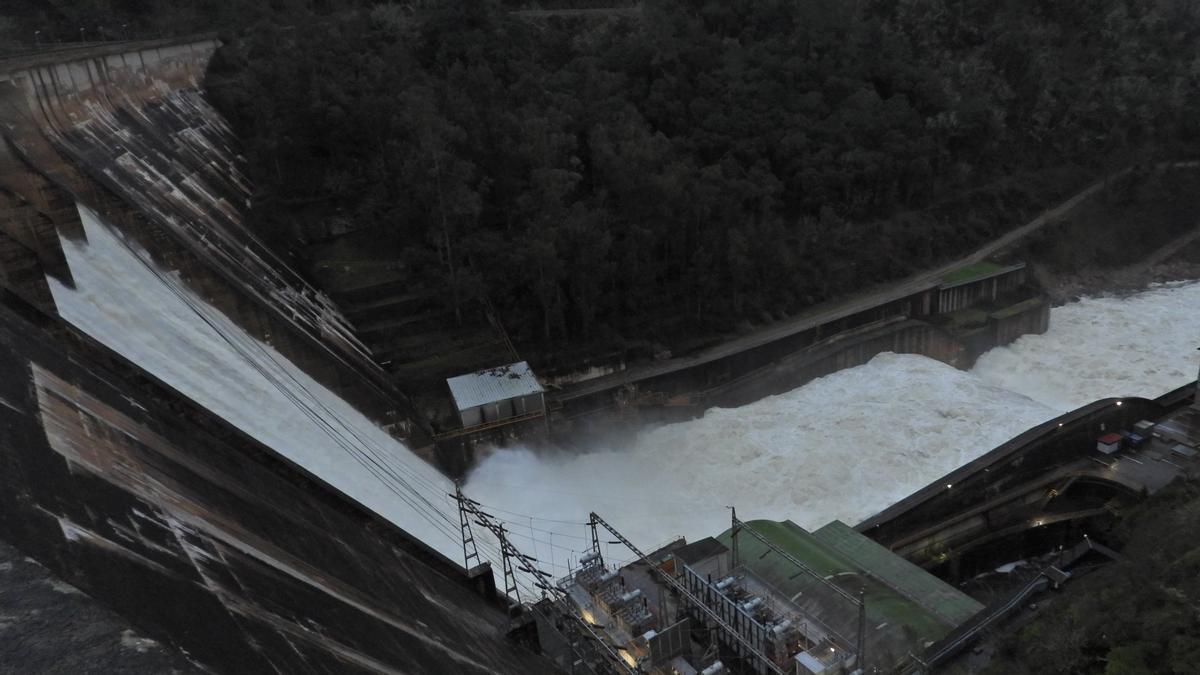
[(48, 627)]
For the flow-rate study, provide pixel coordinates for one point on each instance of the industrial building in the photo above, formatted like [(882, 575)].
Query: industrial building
[(767, 598), (501, 395)]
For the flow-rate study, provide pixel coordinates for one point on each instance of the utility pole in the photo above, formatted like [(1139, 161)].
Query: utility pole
[(510, 578), (514, 559), (1196, 394), (862, 630), (691, 599), (470, 551), (596, 541), (734, 527)]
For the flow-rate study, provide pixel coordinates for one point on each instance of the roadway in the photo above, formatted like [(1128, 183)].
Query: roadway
[(1041, 501), (829, 311), (57, 53)]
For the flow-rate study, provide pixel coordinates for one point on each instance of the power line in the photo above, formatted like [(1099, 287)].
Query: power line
[(542, 580), (405, 483), (383, 471)]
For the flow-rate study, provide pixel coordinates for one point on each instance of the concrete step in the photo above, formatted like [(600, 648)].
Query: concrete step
[(413, 347), (357, 297), (387, 327), (404, 301), (449, 363)]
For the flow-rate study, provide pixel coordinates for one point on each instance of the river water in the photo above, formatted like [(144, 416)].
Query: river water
[(844, 446), (850, 444)]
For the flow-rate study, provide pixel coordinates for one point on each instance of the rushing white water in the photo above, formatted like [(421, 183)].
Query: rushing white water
[(1144, 345), (850, 444), (843, 446), (124, 304)]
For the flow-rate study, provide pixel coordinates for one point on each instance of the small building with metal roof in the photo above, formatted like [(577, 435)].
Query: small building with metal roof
[(497, 394), (1109, 443)]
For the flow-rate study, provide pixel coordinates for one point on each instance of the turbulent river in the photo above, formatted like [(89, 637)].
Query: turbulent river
[(849, 444), (843, 446)]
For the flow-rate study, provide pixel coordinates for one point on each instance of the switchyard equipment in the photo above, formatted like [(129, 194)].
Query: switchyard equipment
[(588, 649), (772, 599), (731, 627)]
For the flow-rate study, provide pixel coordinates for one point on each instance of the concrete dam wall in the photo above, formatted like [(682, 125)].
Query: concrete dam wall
[(213, 543), (234, 550), (126, 130)]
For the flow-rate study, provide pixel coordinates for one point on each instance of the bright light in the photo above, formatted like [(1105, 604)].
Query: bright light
[(1118, 403), (948, 486)]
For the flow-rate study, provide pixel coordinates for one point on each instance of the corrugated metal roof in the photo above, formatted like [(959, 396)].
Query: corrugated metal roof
[(493, 384)]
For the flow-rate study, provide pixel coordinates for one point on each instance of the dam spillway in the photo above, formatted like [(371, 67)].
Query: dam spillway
[(148, 316), (210, 541), (843, 446)]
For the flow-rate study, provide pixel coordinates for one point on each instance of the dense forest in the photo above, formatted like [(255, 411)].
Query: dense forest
[(1140, 616), (696, 168)]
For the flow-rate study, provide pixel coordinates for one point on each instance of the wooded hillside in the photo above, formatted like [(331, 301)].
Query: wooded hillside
[(704, 167), (1140, 616)]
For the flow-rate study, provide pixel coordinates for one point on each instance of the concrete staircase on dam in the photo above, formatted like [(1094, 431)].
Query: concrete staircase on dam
[(414, 335)]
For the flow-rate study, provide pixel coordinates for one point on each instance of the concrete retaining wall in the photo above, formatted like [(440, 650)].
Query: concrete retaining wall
[(1023, 458), (845, 351), (791, 361), (213, 543), (951, 297)]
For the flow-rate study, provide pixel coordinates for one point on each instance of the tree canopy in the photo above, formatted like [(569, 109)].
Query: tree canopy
[(1137, 616), (695, 168), (707, 163)]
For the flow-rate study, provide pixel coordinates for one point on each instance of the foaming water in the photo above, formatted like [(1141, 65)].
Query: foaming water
[(848, 445), (842, 446), (1142, 345)]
